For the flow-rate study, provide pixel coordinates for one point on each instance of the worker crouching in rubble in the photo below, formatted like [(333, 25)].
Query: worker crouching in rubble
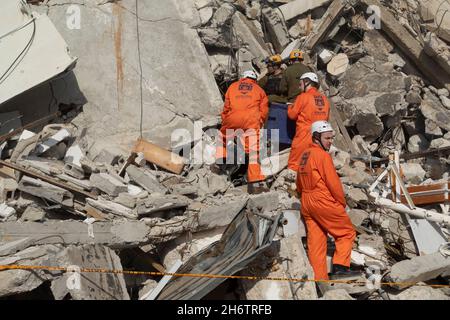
[(310, 106), (244, 113), (323, 206), (272, 80)]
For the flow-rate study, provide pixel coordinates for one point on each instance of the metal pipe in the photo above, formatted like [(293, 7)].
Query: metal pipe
[(416, 212)]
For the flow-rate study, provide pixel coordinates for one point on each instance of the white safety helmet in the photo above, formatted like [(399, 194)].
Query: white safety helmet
[(311, 76), (249, 74), (321, 127)]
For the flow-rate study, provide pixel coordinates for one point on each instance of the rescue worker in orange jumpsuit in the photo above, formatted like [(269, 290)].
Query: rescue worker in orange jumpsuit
[(310, 106), (323, 206), (246, 107)]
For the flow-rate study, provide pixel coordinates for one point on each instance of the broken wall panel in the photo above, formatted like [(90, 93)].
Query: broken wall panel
[(24, 40)]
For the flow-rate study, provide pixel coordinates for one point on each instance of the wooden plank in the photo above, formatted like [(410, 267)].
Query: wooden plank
[(159, 156), (428, 198)]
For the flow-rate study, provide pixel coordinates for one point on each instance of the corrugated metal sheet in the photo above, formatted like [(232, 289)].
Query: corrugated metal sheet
[(246, 237), (31, 49)]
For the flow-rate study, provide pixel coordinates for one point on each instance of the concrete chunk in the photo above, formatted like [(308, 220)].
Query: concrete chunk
[(108, 184), (46, 190), (155, 203), (93, 285), (116, 234), (145, 179), (421, 268), (297, 7), (276, 28)]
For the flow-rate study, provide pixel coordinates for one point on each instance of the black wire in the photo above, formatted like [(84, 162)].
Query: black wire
[(20, 56), (140, 69)]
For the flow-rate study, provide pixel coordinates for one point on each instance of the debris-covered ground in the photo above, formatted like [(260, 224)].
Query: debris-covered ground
[(83, 187)]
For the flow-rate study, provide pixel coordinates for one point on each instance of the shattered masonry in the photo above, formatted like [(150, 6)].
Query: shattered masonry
[(78, 188)]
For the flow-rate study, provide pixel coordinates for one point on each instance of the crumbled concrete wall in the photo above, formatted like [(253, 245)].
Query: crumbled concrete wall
[(178, 86)]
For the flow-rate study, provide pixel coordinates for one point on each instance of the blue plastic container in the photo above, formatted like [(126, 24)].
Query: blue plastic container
[(278, 119)]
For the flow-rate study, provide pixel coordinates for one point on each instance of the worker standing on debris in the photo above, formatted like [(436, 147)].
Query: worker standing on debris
[(246, 107), (309, 107), (289, 80), (323, 205), (272, 80)]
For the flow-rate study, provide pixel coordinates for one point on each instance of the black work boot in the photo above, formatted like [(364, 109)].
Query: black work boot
[(340, 271)]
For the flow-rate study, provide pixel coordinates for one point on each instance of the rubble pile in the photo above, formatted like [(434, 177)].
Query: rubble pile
[(85, 191)]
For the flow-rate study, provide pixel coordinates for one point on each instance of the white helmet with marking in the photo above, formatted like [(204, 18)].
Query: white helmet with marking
[(311, 76), (321, 127), (249, 74)]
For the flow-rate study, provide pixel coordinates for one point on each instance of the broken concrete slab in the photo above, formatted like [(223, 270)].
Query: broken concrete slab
[(90, 285), (413, 172), (145, 179), (20, 281), (434, 12), (417, 143), (52, 141), (439, 143), (9, 248), (107, 183), (267, 202), (220, 215), (421, 268), (373, 248), (285, 258), (276, 29), (420, 293), (433, 110), (170, 24), (355, 197), (249, 36), (438, 50), (33, 214), (112, 207), (116, 234), (8, 188), (126, 200), (160, 203), (409, 45), (297, 7), (46, 190), (223, 15), (47, 44), (357, 216)]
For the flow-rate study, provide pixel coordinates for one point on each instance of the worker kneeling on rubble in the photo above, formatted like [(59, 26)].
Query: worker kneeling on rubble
[(323, 205), (246, 107), (310, 106)]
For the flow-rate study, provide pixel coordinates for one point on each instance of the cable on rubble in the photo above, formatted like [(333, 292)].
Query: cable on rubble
[(140, 70)]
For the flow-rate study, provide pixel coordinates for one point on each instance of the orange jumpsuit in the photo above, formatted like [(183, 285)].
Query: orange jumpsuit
[(323, 209), (246, 107), (309, 107)]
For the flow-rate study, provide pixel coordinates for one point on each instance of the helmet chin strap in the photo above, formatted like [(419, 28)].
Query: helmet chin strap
[(320, 141)]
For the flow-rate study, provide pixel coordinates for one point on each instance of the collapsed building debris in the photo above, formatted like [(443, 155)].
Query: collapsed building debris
[(105, 185)]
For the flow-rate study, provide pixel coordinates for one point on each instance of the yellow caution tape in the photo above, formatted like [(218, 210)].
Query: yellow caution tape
[(200, 275)]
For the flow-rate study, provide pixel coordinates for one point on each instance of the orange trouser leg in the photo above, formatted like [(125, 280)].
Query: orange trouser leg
[(344, 234), (333, 219), (254, 173), (317, 248)]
